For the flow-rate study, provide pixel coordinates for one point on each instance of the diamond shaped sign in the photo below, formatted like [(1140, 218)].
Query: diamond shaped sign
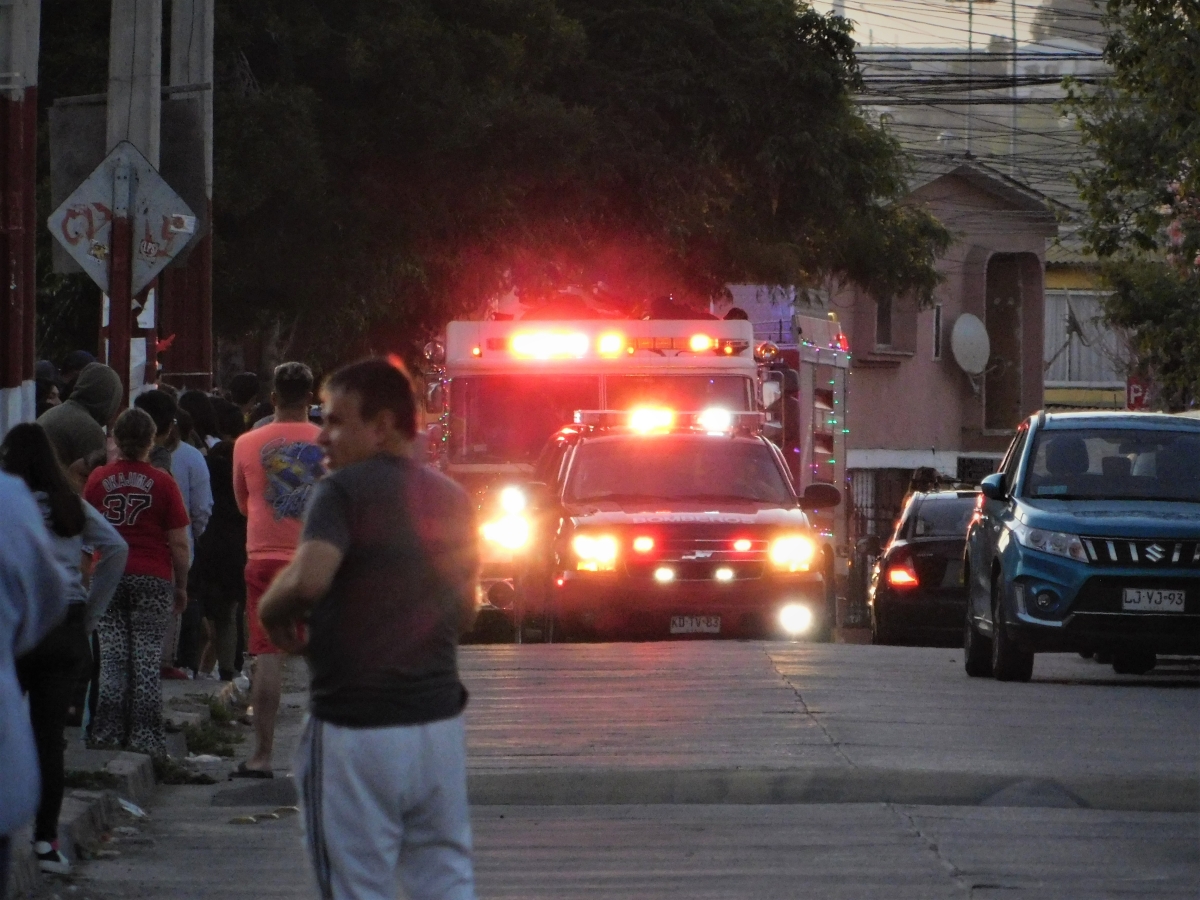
[(162, 223)]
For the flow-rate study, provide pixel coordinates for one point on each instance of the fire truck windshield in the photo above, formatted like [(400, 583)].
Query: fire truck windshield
[(681, 468), (683, 392), (509, 418)]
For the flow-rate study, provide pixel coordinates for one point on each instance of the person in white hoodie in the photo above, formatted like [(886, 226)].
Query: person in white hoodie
[(49, 671)]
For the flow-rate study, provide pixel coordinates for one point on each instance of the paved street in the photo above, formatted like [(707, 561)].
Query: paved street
[(730, 770)]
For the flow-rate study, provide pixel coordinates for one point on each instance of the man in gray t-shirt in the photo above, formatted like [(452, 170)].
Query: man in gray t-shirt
[(385, 575)]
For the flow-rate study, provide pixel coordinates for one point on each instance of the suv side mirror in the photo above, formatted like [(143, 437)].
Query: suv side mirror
[(992, 486), (820, 496)]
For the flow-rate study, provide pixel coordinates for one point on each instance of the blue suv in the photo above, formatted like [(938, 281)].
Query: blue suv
[(1087, 539)]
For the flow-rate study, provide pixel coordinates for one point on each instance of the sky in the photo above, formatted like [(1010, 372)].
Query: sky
[(933, 23)]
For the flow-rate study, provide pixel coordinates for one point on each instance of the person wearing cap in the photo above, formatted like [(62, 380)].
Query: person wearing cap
[(47, 387)]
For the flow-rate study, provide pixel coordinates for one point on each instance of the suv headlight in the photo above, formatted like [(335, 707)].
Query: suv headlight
[(1056, 543), (510, 532), (792, 552), (597, 553)]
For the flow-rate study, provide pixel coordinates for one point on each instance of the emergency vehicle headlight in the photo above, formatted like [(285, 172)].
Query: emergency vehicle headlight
[(611, 344), (597, 553), (650, 419), (549, 344), (513, 500), (701, 343), (795, 618), (792, 553), (715, 420), (510, 532)]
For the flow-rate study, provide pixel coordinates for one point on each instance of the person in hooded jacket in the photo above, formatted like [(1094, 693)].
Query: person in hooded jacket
[(48, 672), (76, 426)]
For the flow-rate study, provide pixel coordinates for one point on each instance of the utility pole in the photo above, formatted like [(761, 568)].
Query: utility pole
[(187, 289), (20, 26), (134, 110), (1012, 136)]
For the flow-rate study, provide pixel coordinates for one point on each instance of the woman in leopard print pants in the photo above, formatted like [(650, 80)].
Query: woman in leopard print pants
[(145, 506)]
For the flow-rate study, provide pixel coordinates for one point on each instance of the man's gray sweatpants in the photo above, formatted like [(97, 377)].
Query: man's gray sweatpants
[(385, 807)]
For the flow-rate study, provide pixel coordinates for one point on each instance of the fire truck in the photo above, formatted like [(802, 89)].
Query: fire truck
[(498, 390)]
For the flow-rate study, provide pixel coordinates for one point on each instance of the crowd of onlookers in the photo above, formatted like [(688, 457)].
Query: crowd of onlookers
[(144, 511)]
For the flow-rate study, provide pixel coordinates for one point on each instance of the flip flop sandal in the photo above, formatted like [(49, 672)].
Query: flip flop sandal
[(242, 772)]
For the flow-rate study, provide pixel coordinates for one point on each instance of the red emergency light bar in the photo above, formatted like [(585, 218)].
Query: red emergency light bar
[(556, 344), (715, 420)]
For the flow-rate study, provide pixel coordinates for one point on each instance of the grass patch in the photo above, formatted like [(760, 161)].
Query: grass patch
[(91, 781), (210, 737), (168, 771), (219, 712)]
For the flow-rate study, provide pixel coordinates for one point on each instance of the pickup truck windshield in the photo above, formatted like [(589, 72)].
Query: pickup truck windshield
[(1114, 464), (677, 468)]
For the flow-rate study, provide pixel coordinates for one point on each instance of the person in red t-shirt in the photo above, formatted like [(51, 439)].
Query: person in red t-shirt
[(144, 504)]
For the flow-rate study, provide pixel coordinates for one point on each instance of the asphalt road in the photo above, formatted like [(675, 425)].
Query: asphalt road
[(730, 770)]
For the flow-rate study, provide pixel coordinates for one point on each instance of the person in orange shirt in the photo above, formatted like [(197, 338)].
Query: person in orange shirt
[(275, 468)]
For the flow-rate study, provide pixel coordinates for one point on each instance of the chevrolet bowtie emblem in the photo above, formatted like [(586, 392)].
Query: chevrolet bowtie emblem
[(1155, 553)]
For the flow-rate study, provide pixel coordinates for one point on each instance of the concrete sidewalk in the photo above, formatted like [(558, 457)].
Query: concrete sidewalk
[(752, 770)]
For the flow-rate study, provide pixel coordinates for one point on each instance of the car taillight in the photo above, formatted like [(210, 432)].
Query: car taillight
[(901, 574)]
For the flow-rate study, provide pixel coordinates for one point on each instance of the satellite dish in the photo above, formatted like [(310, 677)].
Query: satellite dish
[(969, 344)]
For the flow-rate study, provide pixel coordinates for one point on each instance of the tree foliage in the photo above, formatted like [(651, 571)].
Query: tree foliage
[(1143, 194), (397, 162), (383, 165)]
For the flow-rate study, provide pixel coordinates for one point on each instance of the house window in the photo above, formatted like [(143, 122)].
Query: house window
[(883, 322), (937, 331)]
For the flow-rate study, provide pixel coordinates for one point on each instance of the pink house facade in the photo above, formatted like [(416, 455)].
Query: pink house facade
[(909, 403)]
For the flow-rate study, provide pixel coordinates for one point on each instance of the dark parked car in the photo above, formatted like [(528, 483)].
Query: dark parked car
[(917, 594)]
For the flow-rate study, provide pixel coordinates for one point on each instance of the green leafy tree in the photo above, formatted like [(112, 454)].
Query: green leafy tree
[(1143, 193), (384, 165)]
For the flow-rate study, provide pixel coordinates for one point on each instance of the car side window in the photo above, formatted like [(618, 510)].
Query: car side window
[(1013, 461)]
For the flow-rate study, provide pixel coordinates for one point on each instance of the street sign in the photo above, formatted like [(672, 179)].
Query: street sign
[(162, 223), (1137, 392)]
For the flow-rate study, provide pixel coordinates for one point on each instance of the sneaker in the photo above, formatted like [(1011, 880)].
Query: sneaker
[(50, 860), (170, 673)]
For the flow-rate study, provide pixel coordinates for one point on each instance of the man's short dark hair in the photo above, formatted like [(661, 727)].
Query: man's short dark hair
[(243, 388), (161, 408), (380, 385), (293, 382)]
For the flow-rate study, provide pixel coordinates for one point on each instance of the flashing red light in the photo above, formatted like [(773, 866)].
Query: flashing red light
[(742, 545), (643, 544), (701, 343), (477, 351), (902, 575), (842, 342)]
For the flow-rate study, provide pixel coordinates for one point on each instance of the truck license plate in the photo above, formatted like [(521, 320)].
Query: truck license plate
[(1151, 600), (695, 624)]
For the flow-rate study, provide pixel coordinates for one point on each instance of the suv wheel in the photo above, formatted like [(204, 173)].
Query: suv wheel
[(1134, 662), (1009, 662), (977, 650)]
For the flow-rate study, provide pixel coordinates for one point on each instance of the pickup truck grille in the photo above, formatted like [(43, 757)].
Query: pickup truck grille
[(1146, 554)]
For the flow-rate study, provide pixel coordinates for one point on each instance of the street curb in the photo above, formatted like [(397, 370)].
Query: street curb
[(828, 785), (85, 816)]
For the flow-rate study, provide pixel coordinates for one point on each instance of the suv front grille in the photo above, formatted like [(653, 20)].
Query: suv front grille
[(1146, 554)]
